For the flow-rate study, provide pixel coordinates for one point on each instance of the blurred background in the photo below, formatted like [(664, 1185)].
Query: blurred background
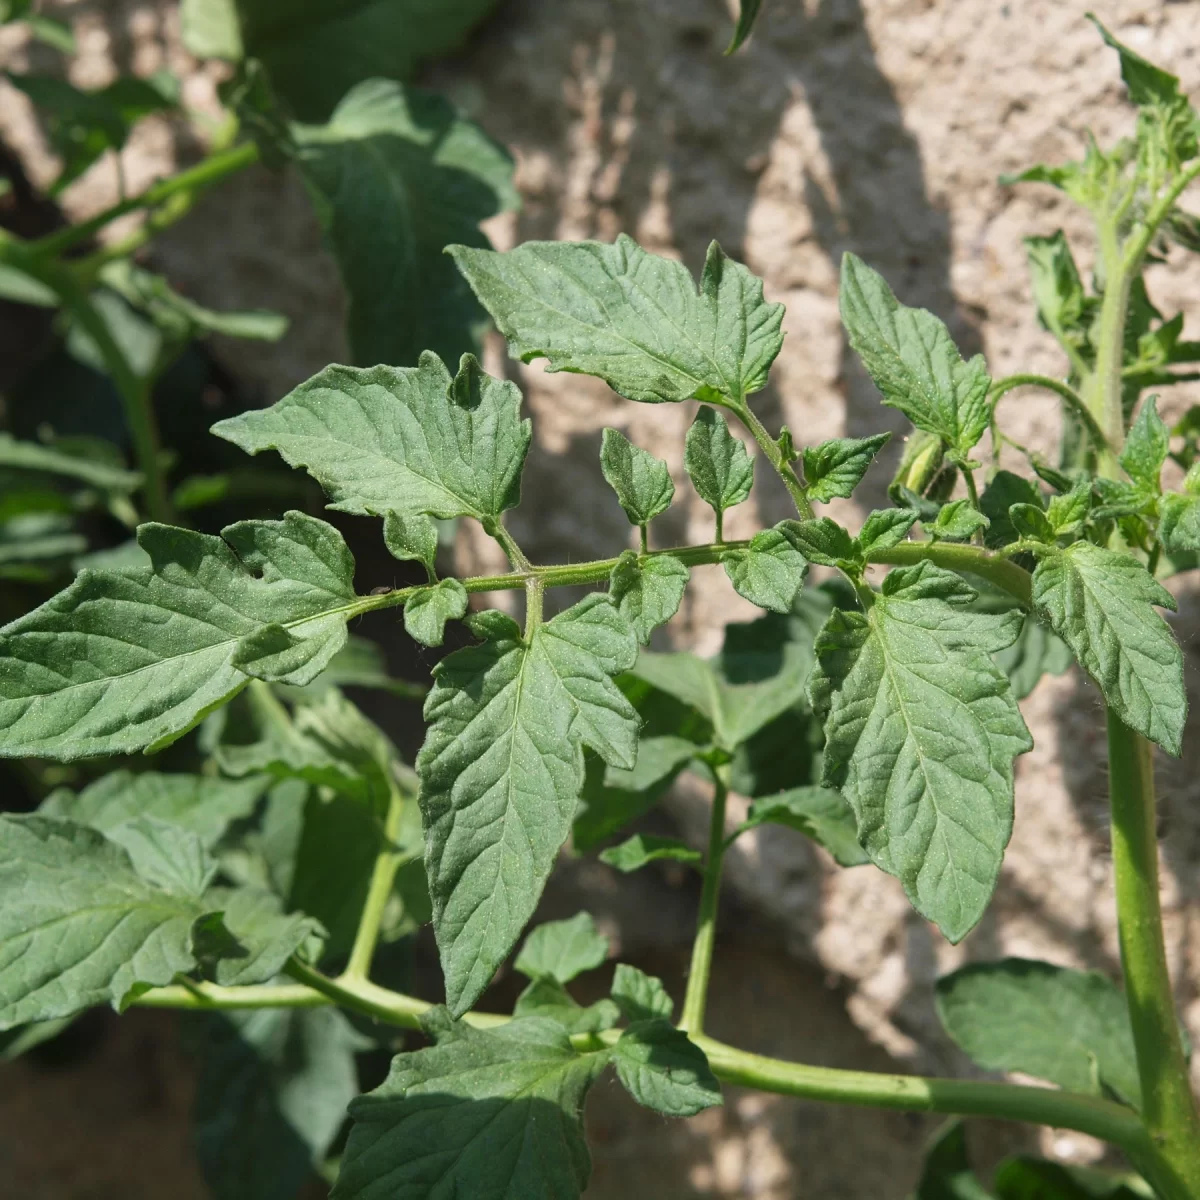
[(877, 126)]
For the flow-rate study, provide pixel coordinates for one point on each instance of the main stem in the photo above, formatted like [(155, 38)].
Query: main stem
[(382, 877), (696, 998), (1168, 1106)]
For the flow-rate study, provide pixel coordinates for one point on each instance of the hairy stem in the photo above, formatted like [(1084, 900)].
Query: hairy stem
[(1013, 579), (907, 1093), (696, 998), (1074, 401), (1168, 1106), (383, 875), (770, 447)]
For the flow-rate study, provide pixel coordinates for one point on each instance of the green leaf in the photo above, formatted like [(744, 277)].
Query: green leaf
[(1146, 447), (641, 481), (817, 812), (79, 926), (271, 1097), (1031, 523), (408, 440), (562, 949), (493, 1113), (203, 805), (913, 360), (883, 529), (947, 1173), (173, 859), (1005, 490), (316, 53), (957, 521), (747, 15), (822, 540), (266, 936), (717, 463), (1023, 1178), (769, 572), (547, 998), (921, 731), (1068, 512), (395, 175), (630, 317), (639, 996), (1064, 308), (760, 673), (643, 849), (82, 125), (427, 611), (1147, 84), (411, 538), (30, 456), (835, 468), (329, 743), (210, 29), (126, 659), (501, 773), (181, 318), (1036, 652), (1065, 1026), (647, 591), (1101, 604), (663, 1070), (1179, 522)]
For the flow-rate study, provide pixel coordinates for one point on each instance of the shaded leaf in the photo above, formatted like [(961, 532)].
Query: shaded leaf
[(427, 611), (1051, 1022), (647, 590), (639, 996), (662, 1069), (547, 998), (717, 463), (817, 812), (561, 950), (643, 849), (769, 572), (641, 481)]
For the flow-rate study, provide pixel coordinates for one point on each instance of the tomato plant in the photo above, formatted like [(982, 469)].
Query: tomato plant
[(259, 889)]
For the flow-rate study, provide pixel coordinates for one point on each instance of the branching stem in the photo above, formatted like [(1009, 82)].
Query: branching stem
[(774, 455)]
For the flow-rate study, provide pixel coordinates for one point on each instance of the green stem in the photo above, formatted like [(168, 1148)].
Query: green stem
[(696, 997), (382, 877), (1074, 401), (134, 390), (1168, 1106), (770, 447), (196, 179), (907, 1093), (956, 557)]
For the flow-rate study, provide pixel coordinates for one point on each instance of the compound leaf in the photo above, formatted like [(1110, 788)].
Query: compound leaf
[(409, 440), (913, 360), (560, 950), (501, 773), (769, 572), (493, 1113), (639, 996), (720, 469), (835, 468), (79, 927), (663, 1070), (631, 317), (126, 659), (921, 731), (395, 175), (1101, 604), (648, 591), (1065, 1026), (427, 611), (641, 481)]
